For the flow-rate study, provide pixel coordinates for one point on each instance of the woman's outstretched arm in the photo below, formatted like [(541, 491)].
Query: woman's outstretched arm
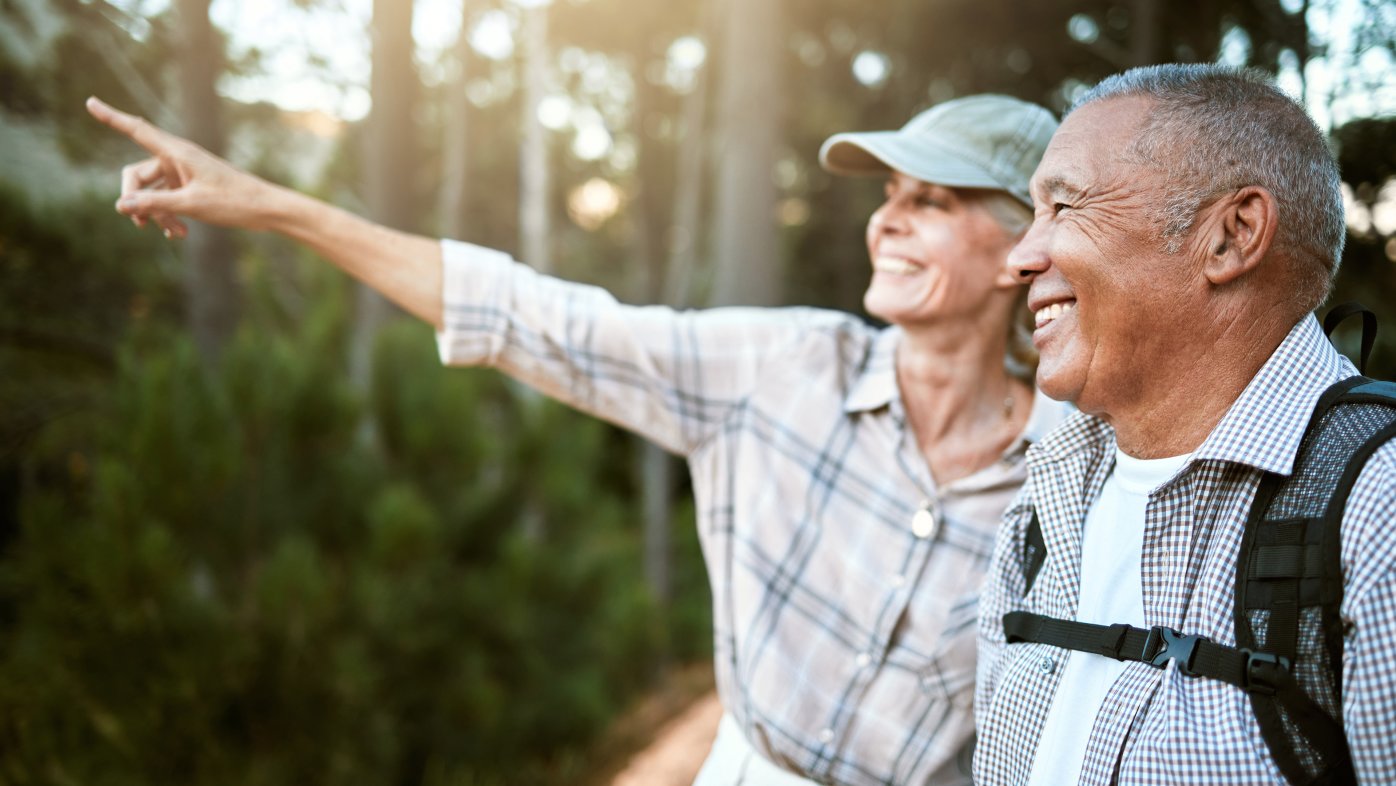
[(182, 180)]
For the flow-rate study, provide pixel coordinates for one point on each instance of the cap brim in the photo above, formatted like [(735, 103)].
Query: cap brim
[(877, 152)]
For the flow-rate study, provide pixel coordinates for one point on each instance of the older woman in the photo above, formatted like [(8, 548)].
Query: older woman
[(849, 479)]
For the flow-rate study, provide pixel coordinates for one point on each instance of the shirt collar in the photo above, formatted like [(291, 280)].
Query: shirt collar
[(1264, 426), (1079, 432), (876, 385)]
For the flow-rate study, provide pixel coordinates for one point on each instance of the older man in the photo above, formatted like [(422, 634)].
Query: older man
[(1188, 220)]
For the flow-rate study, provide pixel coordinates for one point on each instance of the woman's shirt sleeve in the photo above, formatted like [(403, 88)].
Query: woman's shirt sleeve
[(670, 376)]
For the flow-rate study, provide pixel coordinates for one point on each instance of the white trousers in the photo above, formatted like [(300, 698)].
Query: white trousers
[(733, 762)]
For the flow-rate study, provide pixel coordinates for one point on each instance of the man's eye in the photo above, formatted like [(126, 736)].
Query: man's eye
[(926, 201), (1058, 207)]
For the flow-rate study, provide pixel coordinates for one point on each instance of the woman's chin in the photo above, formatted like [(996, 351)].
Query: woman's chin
[(892, 310)]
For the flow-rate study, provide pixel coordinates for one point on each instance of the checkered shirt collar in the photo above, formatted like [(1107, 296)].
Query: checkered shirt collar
[(1263, 427)]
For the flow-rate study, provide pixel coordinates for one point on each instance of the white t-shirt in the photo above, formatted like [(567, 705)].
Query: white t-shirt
[(1112, 591)]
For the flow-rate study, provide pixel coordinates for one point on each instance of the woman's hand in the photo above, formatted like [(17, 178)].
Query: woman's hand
[(181, 179)]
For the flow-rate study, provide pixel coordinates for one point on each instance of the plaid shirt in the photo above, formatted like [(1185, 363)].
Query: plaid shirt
[(844, 643), (1158, 726)]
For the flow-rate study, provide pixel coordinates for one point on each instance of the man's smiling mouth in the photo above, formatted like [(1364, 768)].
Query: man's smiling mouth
[(1047, 314)]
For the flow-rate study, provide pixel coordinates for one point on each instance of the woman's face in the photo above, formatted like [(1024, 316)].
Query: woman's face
[(936, 254)]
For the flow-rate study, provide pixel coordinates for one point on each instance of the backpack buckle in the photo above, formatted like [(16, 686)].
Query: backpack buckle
[(1264, 671), (1163, 644)]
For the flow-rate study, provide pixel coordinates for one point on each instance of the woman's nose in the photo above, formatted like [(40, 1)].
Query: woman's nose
[(889, 218)]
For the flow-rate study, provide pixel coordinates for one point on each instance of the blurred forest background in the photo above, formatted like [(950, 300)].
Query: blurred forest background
[(250, 532)]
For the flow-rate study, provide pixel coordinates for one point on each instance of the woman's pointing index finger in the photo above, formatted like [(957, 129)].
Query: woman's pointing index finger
[(140, 131)]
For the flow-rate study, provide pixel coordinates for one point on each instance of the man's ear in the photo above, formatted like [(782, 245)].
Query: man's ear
[(1243, 234)]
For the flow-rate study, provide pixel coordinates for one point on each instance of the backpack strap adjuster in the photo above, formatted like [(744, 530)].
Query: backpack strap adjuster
[(1264, 671)]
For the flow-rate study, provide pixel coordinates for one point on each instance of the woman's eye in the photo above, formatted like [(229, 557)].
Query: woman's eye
[(1058, 207), (926, 201)]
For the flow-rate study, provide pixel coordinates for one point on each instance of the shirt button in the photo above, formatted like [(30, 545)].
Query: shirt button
[(898, 581), (826, 736), (862, 660), (1046, 665), (923, 524)]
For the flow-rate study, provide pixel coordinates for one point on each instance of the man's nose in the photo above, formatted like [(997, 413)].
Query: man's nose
[(1029, 257)]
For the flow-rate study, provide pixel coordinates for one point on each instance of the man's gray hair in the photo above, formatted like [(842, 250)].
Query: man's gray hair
[(1215, 129)]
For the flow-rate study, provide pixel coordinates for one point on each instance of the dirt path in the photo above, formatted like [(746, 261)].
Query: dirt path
[(678, 749)]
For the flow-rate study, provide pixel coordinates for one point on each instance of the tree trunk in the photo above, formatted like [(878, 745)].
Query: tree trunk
[(535, 187), (1144, 33), (746, 249), (686, 228), (674, 287), (210, 274), (535, 182), (389, 158), (454, 149), (654, 466)]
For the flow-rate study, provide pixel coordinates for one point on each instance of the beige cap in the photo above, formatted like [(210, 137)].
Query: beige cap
[(983, 141)]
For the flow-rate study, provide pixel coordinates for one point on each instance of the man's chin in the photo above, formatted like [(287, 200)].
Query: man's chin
[(1055, 384)]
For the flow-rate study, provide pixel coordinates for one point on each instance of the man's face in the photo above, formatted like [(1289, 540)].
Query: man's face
[(1112, 308)]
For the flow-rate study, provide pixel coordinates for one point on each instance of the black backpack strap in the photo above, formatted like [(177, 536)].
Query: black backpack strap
[(1196, 656), (1260, 674), (1339, 313), (1291, 559), (1368, 391), (1277, 560)]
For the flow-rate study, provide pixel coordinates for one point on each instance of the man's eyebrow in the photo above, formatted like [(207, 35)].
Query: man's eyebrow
[(1056, 184)]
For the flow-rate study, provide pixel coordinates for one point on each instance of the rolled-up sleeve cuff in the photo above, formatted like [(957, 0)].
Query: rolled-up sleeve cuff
[(476, 298)]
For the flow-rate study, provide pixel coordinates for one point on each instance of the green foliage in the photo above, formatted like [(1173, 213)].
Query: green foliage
[(243, 589), (69, 293)]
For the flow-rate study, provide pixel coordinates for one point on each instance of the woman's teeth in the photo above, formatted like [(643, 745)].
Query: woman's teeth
[(894, 265), (1047, 314)]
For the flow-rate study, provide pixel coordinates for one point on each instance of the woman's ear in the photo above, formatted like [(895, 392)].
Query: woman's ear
[(1242, 235)]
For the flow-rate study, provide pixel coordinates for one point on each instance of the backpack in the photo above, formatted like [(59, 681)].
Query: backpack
[(1288, 587)]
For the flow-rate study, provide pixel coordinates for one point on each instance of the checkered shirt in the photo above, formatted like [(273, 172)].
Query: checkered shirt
[(844, 644), (1158, 726)]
